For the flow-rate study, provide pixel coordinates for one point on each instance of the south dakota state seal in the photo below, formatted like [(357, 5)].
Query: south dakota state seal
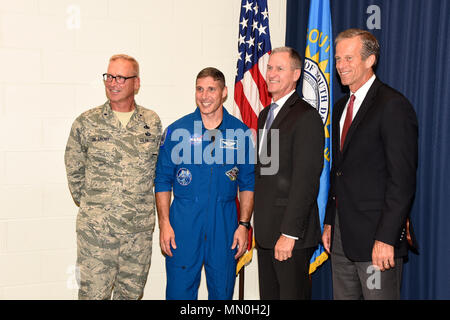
[(315, 88)]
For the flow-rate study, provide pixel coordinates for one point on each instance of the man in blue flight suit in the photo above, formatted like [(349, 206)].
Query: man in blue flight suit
[(205, 158)]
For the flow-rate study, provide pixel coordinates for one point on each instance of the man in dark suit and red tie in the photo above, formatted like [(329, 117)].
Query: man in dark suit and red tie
[(287, 177), (373, 176)]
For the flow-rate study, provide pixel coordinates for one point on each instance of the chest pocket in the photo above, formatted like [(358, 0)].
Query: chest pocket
[(147, 149), (101, 150)]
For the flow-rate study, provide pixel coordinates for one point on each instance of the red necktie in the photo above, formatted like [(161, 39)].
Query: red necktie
[(348, 120)]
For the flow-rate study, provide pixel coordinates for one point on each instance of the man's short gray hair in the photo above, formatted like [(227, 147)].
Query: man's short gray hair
[(128, 58), (370, 44), (296, 59)]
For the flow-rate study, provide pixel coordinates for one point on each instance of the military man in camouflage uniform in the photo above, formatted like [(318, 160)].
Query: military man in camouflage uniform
[(110, 162)]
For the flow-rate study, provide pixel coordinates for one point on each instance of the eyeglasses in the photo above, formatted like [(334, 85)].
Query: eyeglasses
[(119, 79)]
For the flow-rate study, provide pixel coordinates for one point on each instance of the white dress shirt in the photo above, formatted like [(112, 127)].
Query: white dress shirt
[(360, 95), (280, 103)]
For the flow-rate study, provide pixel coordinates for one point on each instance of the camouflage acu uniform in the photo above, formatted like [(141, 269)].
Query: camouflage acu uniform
[(110, 170)]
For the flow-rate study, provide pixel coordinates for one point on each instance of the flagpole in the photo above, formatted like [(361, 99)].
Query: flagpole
[(241, 283)]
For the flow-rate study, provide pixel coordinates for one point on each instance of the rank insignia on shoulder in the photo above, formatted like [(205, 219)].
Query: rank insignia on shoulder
[(232, 174)]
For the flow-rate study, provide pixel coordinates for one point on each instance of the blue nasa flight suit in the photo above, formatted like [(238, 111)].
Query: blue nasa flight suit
[(205, 174)]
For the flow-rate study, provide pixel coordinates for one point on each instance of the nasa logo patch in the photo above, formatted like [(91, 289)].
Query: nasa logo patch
[(196, 139)]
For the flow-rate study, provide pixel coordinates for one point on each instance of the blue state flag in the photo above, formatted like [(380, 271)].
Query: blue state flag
[(317, 90)]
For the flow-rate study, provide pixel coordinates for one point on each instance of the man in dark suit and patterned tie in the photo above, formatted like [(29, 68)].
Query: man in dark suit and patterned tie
[(290, 161), (373, 176)]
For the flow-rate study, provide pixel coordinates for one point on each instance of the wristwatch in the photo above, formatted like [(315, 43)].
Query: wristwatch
[(245, 224)]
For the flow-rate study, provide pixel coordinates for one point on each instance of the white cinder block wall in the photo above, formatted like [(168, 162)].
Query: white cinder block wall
[(52, 55)]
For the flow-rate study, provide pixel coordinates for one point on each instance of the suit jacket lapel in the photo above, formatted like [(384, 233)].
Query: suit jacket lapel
[(365, 106), (284, 110), (337, 114), (276, 123), (262, 117), (261, 121)]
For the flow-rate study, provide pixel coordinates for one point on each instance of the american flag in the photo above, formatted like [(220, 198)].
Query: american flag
[(250, 89)]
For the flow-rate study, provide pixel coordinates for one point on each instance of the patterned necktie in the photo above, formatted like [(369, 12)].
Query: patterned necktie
[(270, 116), (348, 120)]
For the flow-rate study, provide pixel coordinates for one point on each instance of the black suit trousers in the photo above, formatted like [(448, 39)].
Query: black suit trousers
[(284, 280)]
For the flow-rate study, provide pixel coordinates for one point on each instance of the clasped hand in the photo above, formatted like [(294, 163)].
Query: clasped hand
[(283, 248)]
